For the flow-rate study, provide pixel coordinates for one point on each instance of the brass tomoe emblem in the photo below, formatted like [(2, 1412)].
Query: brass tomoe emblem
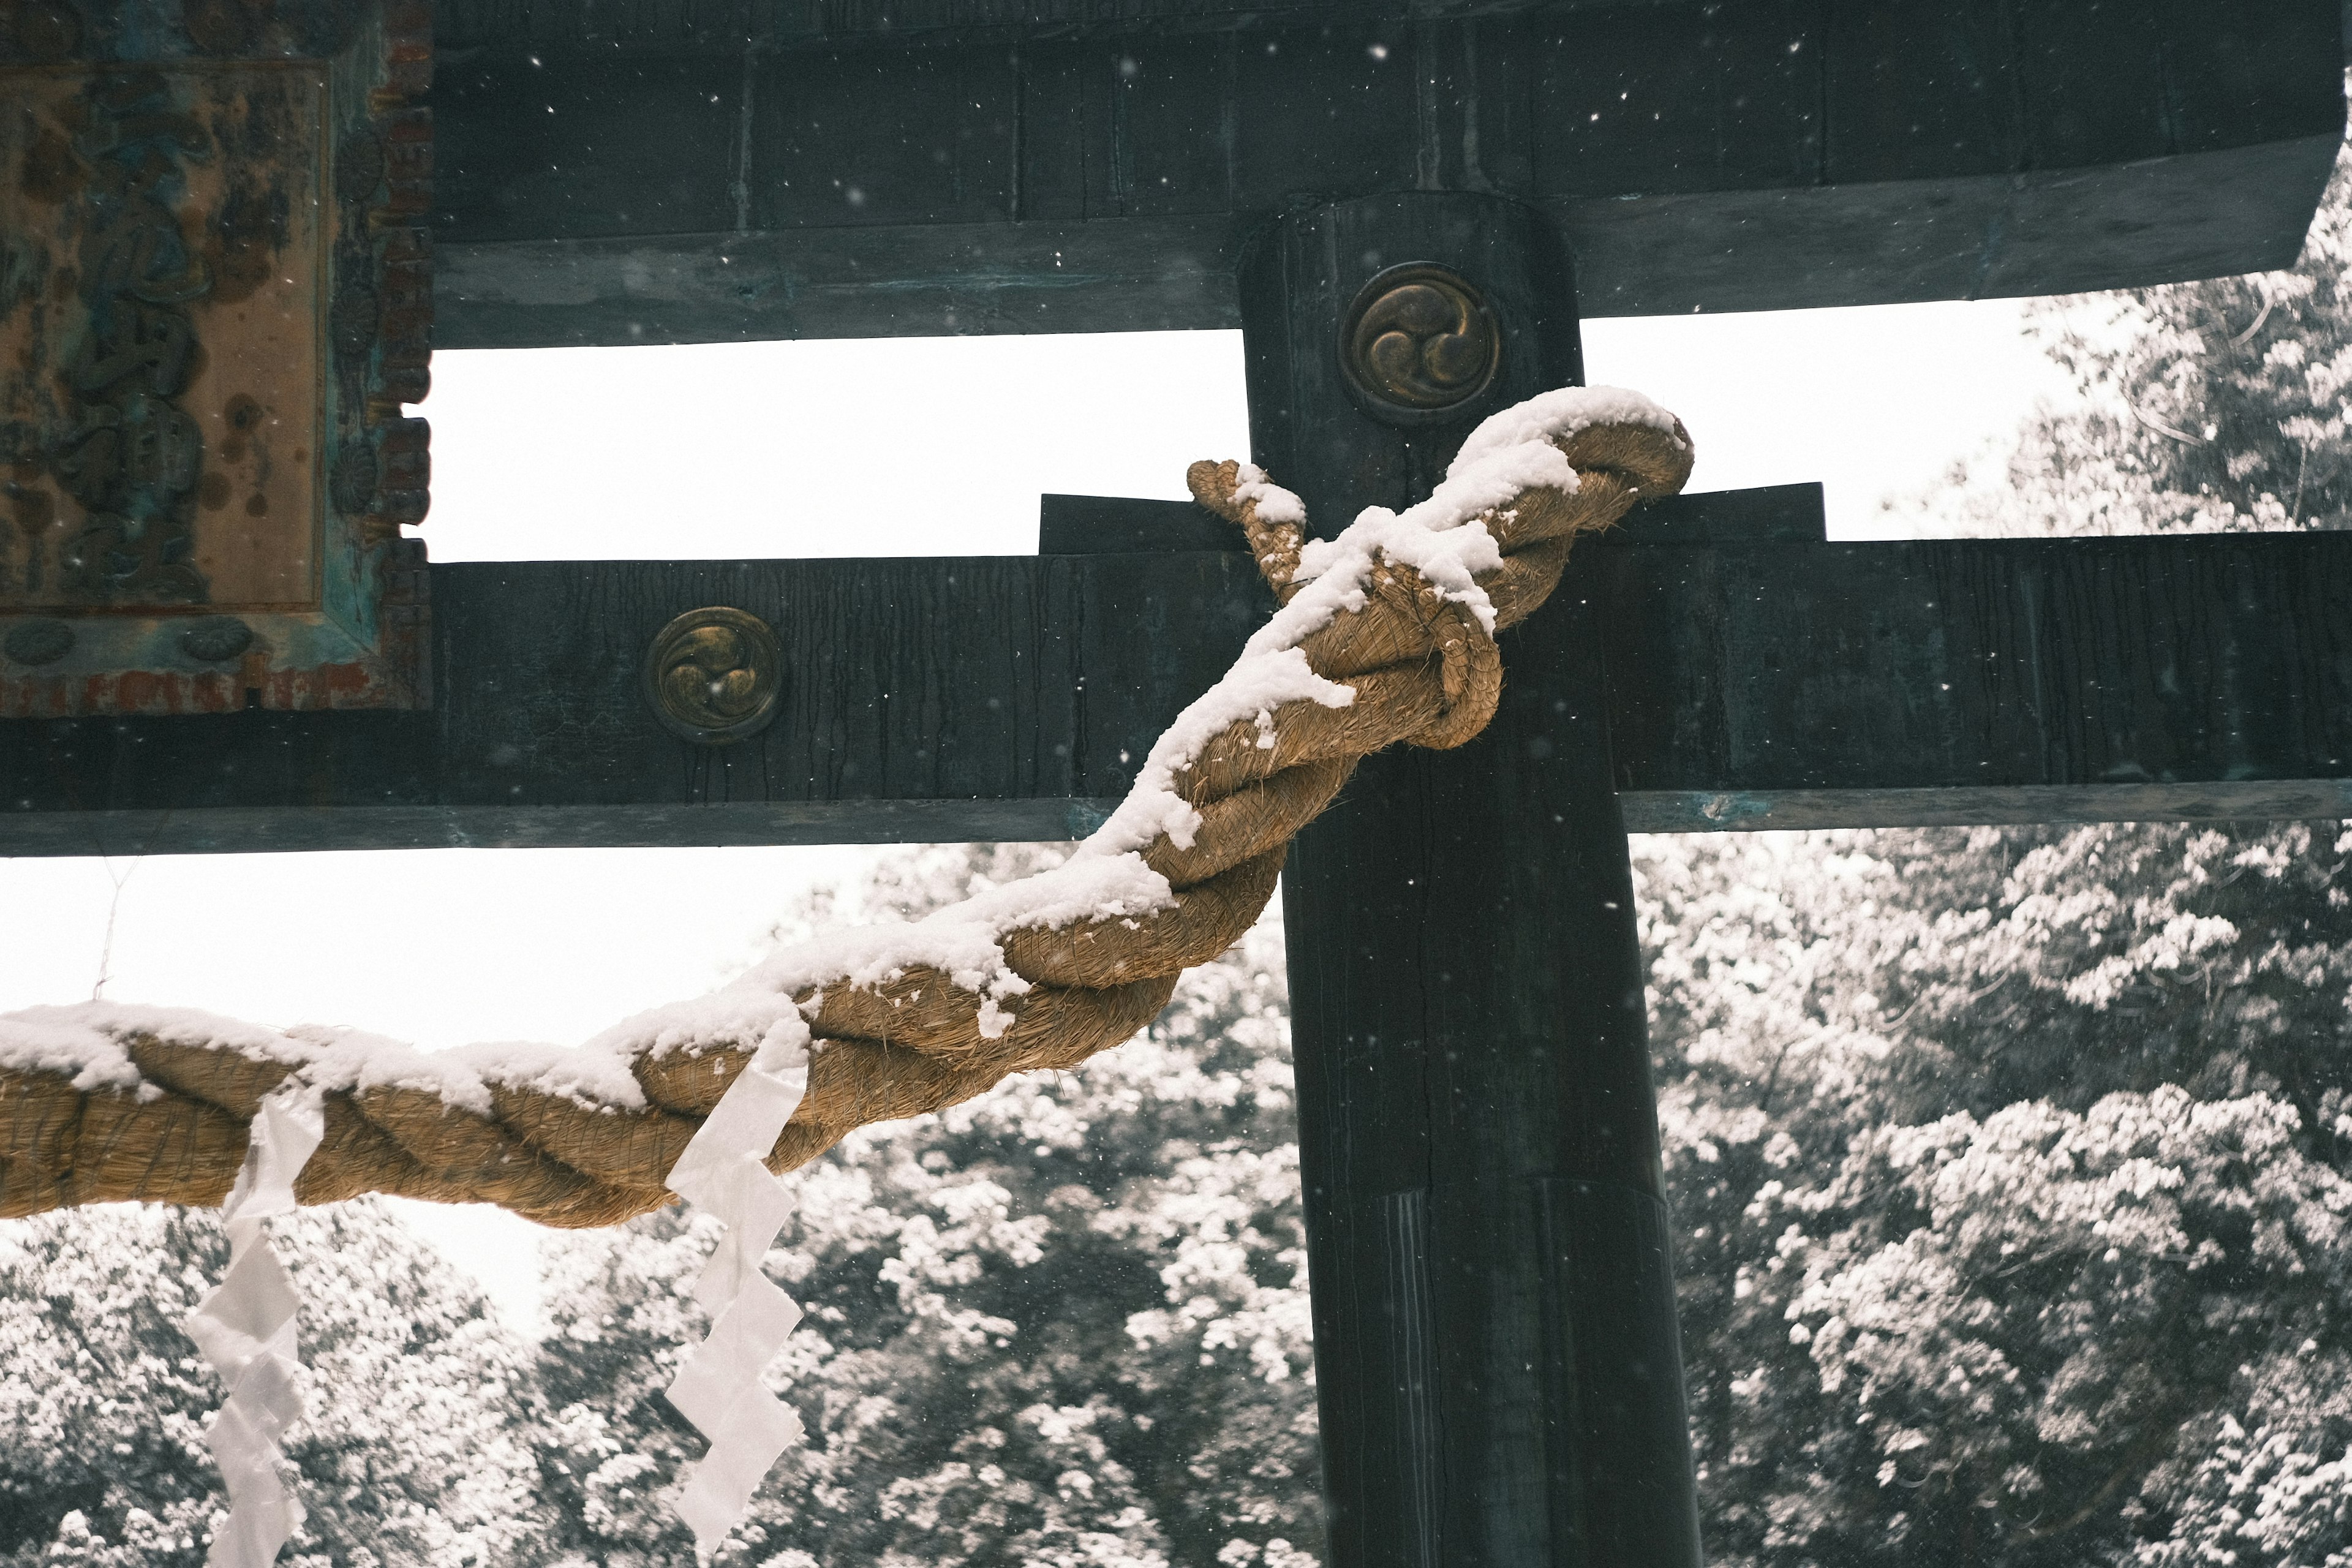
[(715, 674), (1418, 343)]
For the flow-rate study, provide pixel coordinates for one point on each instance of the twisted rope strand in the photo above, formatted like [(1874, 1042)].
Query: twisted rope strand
[(1385, 635)]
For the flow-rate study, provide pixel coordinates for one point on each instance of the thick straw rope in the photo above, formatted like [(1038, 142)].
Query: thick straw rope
[(169, 1124)]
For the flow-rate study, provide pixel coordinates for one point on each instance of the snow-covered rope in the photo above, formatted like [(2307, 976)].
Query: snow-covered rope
[(1385, 634)]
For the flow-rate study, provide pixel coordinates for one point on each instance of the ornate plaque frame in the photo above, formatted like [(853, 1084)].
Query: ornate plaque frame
[(215, 300)]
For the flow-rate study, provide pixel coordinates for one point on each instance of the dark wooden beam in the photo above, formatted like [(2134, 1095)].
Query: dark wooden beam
[(1756, 680), (664, 172), (1979, 680), (718, 23), (1497, 1365), (937, 699)]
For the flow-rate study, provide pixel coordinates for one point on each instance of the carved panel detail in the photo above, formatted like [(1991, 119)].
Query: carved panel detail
[(214, 302)]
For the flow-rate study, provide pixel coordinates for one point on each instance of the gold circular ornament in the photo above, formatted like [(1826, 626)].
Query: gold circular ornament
[(1418, 342), (715, 674)]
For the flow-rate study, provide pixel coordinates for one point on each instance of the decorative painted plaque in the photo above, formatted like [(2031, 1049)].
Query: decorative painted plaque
[(216, 298)]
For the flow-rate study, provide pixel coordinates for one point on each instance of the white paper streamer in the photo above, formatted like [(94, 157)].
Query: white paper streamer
[(244, 1327), (723, 1171)]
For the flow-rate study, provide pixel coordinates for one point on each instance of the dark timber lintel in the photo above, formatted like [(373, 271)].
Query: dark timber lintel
[(672, 173), (1976, 236), (1756, 680)]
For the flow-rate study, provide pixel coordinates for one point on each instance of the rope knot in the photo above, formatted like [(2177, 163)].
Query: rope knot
[(1426, 655)]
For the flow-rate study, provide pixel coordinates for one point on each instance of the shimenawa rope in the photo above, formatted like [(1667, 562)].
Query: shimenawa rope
[(1386, 634)]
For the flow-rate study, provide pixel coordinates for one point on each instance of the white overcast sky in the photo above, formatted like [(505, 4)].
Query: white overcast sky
[(894, 446)]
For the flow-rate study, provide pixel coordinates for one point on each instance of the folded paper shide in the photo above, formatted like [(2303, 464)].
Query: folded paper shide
[(246, 1330)]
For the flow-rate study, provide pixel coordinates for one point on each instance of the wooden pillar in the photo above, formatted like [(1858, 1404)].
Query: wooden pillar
[(1499, 1369)]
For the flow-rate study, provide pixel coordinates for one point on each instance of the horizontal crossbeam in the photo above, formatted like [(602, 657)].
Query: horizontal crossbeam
[(1759, 678), (676, 172), (1979, 680)]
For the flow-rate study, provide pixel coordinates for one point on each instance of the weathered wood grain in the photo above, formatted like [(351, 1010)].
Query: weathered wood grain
[(1497, 1367), (1774, 684), (654, 172), (2166, 676), (469, 23)]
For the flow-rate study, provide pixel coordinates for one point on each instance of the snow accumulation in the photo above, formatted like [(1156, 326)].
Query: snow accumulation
[(85, 1039), (1442, 538)]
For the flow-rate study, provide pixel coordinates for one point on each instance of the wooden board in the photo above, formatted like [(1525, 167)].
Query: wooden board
[(215, 300), (665, 173), (1762, 684)]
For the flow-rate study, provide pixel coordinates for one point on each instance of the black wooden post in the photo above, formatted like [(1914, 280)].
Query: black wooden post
[(1496, 1344)]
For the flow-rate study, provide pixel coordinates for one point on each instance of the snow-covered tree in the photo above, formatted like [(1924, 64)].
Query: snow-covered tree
[(413, 1448), (2012, 1169), (2013, 1321)]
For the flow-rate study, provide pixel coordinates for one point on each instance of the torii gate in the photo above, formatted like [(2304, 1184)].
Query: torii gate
[(1495, 1345)]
